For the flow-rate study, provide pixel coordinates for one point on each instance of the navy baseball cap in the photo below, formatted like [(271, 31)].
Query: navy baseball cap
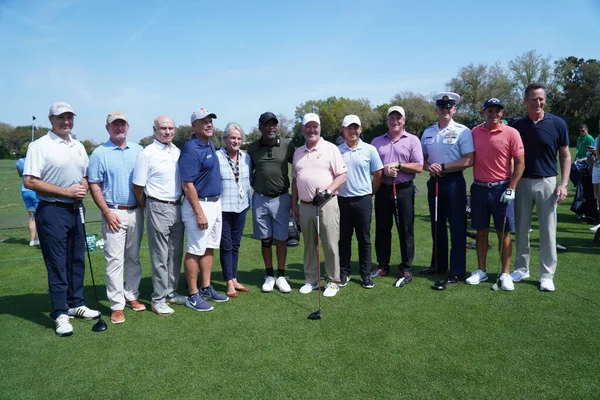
[(266, 117), (492, 102)]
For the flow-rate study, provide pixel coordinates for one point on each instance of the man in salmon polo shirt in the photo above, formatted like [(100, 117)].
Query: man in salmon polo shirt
[(318, 170), (493, 188)]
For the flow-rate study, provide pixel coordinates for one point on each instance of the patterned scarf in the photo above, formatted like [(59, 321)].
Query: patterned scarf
[(235, 166)]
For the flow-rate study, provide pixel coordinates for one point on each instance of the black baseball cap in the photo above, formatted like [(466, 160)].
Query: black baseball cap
[(266, 117)]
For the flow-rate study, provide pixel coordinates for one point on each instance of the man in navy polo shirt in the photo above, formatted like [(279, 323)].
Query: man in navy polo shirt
[(201, 210), (544, 135)]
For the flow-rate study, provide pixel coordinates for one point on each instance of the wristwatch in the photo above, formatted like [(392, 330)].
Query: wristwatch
[(328, 192), (565, 185)]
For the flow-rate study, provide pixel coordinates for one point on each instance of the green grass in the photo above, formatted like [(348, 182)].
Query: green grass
[(465, 342)]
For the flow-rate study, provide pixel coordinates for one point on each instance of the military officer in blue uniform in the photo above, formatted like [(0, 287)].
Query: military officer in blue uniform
[(448, 150)]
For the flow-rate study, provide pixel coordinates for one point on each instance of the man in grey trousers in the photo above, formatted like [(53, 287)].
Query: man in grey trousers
[(157, 186)]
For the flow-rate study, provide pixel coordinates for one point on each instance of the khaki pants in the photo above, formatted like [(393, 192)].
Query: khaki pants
[(541, 193), (330, 236)]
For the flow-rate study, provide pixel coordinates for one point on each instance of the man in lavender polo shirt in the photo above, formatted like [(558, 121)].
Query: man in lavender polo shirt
[(402, 158)]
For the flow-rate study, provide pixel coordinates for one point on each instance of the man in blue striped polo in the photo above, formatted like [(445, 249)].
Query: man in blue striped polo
[(110, 176)]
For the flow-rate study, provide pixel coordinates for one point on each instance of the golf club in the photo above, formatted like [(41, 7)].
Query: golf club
[(317, 314), (496, 285), (437, 285), (402, 280), (100, 325)]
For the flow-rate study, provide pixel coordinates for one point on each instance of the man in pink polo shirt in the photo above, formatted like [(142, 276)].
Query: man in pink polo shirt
[(318, 170), (497, 146)]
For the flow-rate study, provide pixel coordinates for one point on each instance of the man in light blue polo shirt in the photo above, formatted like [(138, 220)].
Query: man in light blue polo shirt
[(110, 175), (448, 150), (354, 198)]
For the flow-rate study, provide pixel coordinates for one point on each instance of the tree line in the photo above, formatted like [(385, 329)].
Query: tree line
[(573, 92)]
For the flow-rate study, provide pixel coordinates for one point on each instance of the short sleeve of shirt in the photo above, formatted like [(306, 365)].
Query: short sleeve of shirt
[(416, 155), (376, 163), (563, 133), (595, 142), (34, 161), (338, 166), (140, 172), (20, 164), (466, 142), (290, 152), (516, 144), (189, 164), (96, 168)]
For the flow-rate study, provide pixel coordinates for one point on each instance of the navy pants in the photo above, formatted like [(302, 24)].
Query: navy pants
[(231, 236), (452, 203), (384, 221), (63, 246), (355, 216)]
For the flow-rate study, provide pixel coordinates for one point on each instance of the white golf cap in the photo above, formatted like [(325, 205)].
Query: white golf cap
[(60, 108), (115, 115), (201, 114), (396, 109), (311, 117), (350, 119)]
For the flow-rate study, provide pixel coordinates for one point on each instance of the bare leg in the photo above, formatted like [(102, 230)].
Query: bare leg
[(506, 251), (206, 263), (281, 249), (482, 247), (267, 255), (31, 226), (190, 267)]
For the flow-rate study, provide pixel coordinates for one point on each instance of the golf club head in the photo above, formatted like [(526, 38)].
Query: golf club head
[(99, 326), (315, 315), (400, 282), (495, 286), (439, 285)]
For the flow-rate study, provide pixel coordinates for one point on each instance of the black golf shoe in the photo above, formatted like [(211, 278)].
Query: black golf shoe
[(452, 279), (367, 283)]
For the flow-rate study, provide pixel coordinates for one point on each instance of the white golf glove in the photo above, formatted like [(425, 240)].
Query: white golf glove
[(508, 196)]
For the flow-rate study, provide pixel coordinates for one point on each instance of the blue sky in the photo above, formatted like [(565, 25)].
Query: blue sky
[(239, 59)]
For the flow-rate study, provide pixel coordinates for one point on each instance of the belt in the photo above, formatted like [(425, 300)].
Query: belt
[(538, 177), (71, 206), (274, 196), (450, 173), (172, 202), (490, 184), (305, 202), (399, 185), (120, 207), (213, 198)]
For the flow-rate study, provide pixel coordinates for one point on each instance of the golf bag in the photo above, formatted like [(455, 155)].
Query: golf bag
[(293, 233)]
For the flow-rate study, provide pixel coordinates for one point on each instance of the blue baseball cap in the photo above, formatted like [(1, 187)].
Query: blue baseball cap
[(492, 102)]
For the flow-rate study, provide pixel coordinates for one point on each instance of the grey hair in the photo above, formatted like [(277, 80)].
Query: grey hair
[(233, 126)]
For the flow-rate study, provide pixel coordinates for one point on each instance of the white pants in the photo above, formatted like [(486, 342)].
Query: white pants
[(122, 253)]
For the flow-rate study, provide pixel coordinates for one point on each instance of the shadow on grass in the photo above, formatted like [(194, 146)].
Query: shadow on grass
[(36, 307), (12, 240)]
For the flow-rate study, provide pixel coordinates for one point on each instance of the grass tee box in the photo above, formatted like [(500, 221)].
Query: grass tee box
[(386, 342)]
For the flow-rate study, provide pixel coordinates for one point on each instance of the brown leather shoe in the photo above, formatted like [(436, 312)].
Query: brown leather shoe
[(232, 294), (117, 317), (136, 305), (242, 289)]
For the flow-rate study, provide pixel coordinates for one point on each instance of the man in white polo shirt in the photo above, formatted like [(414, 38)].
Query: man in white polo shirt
[(157, 187), (110, 176), (55, 168)]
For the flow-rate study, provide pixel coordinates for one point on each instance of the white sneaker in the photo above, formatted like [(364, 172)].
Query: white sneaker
[(547, 285), (595, 228), (307, 288), (267, 287), (518, 276), (176, 298), (282, 285), (331, 289), (506, 282), (477, 277), (162, 309), (83, 312), (35, 242), (63, 326)]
